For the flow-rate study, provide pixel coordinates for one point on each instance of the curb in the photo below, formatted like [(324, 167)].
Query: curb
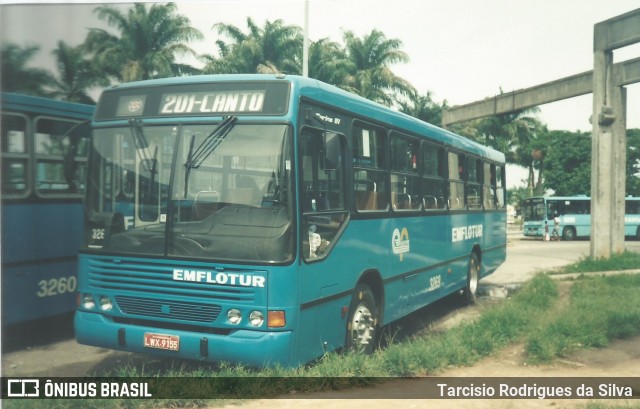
[(573, 276)]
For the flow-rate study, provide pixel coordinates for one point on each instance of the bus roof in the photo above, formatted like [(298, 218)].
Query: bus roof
[(334, 96), (44, 106)]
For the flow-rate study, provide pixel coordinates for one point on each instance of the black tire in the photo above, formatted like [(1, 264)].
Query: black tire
[(469, 294), (362, 323), (568, 233)]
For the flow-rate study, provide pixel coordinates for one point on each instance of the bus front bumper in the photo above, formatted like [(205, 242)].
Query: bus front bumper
[(252, 348)]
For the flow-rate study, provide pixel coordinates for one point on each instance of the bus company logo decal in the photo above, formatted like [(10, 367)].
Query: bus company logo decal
[(400, 242), (220, 278), (135, 105), (466, 232)]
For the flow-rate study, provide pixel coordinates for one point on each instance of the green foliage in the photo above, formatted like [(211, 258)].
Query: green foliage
[(17, 76), (625, 261), (600, 309), (568, 170), (147, 42), (274, 48)]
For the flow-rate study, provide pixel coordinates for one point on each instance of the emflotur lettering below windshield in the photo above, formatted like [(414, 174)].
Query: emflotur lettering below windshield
[(197, 191)]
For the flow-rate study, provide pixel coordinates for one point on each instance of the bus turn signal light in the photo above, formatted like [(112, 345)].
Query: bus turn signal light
[(276, 319)]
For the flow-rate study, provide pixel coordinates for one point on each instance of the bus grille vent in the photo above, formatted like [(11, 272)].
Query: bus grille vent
[(168, 309)]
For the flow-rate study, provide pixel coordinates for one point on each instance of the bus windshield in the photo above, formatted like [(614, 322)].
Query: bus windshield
[(192, 191), (534, 210)]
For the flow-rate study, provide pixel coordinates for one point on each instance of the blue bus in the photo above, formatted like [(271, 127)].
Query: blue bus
[(44, 160), (574, 215), (269, 219)]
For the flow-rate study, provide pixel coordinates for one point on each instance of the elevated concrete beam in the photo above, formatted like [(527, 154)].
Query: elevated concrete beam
[(627, 72), (617, 32)]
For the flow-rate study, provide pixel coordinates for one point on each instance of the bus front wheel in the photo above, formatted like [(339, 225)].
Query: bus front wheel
[(473, 276), (568, 233), (362, 324)]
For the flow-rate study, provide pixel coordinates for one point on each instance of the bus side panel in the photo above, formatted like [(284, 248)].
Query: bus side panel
[(33, 291), (494, 249), (40, 231), (419, 269), (466, 231), (327, 285), (40, 243)]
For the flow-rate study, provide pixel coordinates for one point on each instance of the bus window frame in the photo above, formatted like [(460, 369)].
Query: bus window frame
[(327, 218), (55, 159), (383, 171), (27, 156), (477, 184), (441, 177), (413, 175)]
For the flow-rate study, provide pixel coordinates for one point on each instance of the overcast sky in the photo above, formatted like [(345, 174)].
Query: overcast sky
[(460, 50)]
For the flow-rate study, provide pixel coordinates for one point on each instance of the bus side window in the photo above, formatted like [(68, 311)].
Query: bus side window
[(474, 183), (323, 197), (433, 182), (322, 171), (405, 181), (370, 176), (14, 155), (499, 187), (54, 139), (456, 181), (487, 190)]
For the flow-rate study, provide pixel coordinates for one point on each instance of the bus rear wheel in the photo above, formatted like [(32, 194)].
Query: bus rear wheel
[(473, 276), (362, 324), (568, 233)]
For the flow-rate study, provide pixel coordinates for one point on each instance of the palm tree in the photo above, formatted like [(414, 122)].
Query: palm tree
[(328, 62), (17, 77), (422, 107), (148, 43), (76, 74), (520, 136), (274, 48), (372, 77)]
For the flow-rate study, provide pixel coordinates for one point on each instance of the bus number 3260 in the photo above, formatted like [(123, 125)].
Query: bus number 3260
[(56, 286)]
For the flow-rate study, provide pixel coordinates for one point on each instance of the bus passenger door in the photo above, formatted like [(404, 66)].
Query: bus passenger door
[(324, 217)]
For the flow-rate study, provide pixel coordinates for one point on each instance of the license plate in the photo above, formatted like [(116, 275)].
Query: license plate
[(161, 341)]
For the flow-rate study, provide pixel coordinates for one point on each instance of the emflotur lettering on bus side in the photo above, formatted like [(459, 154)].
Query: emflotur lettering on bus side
[(466, 232), (220, 278), (208, 102)]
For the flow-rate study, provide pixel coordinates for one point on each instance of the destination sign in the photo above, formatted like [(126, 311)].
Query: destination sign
[(195, 99), (222, 102)]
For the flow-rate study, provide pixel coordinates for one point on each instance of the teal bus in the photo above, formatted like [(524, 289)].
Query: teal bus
[(574, 216), (269, 219), (44, 161)]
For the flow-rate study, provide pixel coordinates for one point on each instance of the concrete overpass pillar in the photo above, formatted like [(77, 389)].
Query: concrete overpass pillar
[(608, 159)]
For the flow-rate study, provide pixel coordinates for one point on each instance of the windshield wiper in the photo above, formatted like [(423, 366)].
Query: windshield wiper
[(196, 157), (142, 146), (210, 143)]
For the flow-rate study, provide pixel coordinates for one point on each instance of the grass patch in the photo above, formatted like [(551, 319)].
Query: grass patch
[(625, 261), (599, 309)]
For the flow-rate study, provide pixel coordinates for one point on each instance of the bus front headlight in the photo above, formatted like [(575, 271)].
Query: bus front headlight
[(105, 304), (234, 316), (88, 302), (256, 319)]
